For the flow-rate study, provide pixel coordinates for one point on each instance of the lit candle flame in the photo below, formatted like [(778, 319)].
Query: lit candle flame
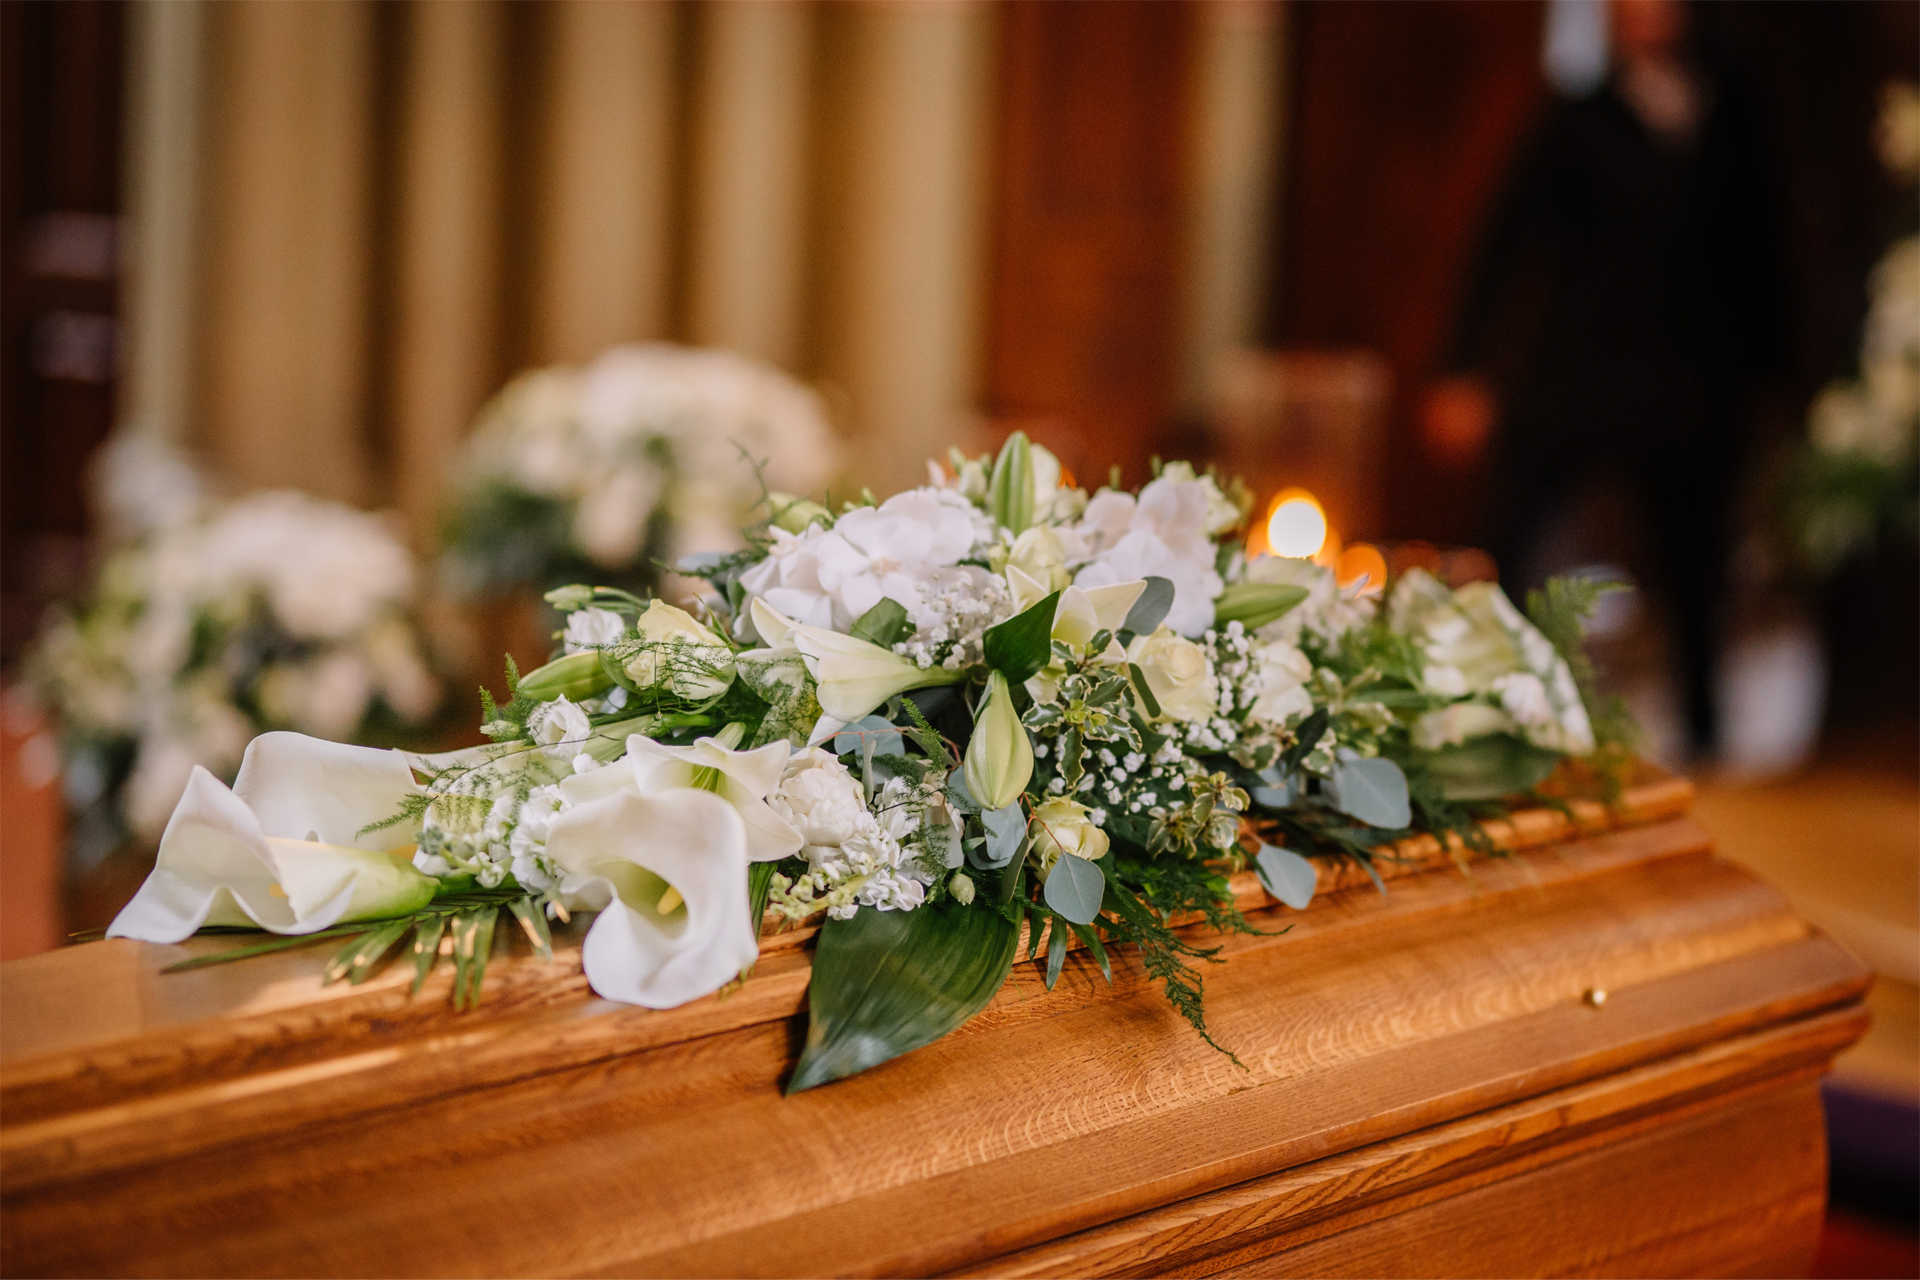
[(1297, 527)]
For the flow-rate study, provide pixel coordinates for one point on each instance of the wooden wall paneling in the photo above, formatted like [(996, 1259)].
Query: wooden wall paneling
[(1087, 226), (1404, 120)]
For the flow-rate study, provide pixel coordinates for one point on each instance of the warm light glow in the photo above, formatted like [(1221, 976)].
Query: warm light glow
[(1297, 526), (1362, 561)]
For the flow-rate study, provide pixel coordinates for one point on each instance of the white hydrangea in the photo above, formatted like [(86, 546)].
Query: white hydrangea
[(1162, 533)]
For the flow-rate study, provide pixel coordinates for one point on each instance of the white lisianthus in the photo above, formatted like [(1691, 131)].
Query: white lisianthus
[(1280, 675), (668, 875), (559, 728), (593, 629), (680, 655), (283, 849), (1178, 673), (1065, 828)]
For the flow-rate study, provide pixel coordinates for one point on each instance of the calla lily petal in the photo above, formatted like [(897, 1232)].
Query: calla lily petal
[(743, 779), (282, 848), (620, 855)]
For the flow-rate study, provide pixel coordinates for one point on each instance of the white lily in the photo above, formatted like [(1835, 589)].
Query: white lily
[(1084, 612), (282, 849), (744, 779), (851, 676), (668, 875)]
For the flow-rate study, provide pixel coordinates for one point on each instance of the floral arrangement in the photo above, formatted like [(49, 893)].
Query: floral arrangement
[(217, 622), (1857, 478), (991, 702), (598, 471)]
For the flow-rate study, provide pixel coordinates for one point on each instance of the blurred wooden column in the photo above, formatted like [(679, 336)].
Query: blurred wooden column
[(162, 168), (604, 251), (286, 246), (747, 232), (1238, 122), (898, 285), (1090, 183), (447, 232)]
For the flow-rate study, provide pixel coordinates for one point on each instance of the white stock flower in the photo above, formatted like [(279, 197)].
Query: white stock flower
[(628, 856), (1179, 675), (593, 629), (283, 848)]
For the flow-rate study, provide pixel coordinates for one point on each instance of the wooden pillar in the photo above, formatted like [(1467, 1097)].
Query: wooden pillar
[(610, 80), (162, 168), (1237, 128), (898, 285), (447, 242), (747, 232), (286, 252)]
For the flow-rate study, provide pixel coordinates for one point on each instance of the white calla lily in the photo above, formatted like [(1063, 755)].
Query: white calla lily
[(744, 779), (627, 855), (282, 849)]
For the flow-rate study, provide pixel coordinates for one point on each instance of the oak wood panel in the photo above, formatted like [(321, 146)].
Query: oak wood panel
[(507, 1149)]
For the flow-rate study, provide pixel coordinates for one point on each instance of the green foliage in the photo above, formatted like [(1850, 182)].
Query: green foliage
[(1254, 604), (886, 624), (887, 982), (1020, 646)]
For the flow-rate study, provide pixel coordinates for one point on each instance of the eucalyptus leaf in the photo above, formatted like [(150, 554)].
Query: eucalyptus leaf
[(887, 982), (870, 734), (1075, 888), (1280, 791), (1287, 876), (1488, 768), (957, 794), (886, 624), (1056, 954), (1254, 604), (1006, 834), (700, 563), (1372, 790), (1020, 646), (1151, 609)]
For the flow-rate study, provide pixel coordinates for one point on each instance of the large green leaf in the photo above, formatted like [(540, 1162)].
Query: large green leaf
[(1488, 768), (1023, 643), (886, 624), (887, 982)]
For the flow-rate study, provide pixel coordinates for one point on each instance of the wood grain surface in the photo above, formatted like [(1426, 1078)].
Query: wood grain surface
[(1408, 1064)]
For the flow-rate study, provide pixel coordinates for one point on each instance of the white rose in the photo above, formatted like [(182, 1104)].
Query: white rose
[(558, 728), (681, 655), (1064, 827), (1178, 673), (1279, 683), (593, 629)]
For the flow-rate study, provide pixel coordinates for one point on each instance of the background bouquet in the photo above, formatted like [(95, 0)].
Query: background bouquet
[(217, 622), (992, 702), (598, 471)]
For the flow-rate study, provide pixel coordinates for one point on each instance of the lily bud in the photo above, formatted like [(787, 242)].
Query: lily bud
[(961, 887), (1010, 494), (567, 599), (795, 514), (999, 760), (575, 677)]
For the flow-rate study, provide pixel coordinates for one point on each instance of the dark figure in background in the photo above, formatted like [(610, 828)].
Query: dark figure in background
[(1622, 316)]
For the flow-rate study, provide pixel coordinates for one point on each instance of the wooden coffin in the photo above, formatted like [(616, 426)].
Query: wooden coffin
[(1597, 1055)]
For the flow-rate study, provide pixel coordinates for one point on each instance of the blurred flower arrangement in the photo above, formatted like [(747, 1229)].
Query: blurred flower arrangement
[(645, 454), (1857, 478), (213, 622)]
